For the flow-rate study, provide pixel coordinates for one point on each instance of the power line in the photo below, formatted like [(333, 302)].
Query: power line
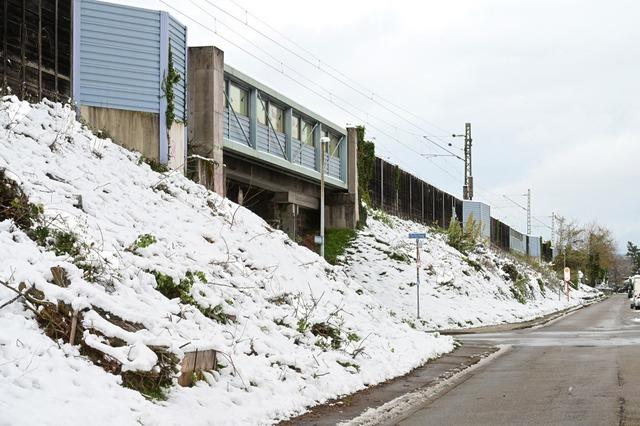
[(318, 62), (329, 99), (321, 95), (316, 65), (332, 96), (525, 209)]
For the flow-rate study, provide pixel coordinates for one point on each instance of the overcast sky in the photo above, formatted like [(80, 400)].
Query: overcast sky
[(550, 88)]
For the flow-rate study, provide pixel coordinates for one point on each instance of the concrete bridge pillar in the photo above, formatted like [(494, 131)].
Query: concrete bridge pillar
[(206, 116), (288, 217), (343, 209)]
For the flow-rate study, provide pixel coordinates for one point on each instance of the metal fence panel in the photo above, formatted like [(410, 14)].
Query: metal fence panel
[(42, 31), (119, 57)]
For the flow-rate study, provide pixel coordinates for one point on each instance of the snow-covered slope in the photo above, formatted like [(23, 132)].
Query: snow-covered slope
[(456, 291), (132, 225), (290, 330)]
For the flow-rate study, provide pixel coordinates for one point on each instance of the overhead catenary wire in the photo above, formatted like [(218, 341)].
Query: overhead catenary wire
[(318, 62), (316, 65), (331, 98)]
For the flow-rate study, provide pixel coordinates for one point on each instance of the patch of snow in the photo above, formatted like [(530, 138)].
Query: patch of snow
[(272, 365), (456, 290)]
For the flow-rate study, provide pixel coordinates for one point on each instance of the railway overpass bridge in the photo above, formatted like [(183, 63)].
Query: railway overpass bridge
[(262, 149)]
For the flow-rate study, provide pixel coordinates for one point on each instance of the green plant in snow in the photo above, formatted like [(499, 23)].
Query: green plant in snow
[(329, 332), (511, 271), (520, 289), (182, 290), (383, 217), (347, 364), (464, 240), (336, 242), (302, 325), (353, 337), (144, 241), (399, 256)]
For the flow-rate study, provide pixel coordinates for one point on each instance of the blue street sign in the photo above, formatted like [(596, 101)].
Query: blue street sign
[(417, 235)]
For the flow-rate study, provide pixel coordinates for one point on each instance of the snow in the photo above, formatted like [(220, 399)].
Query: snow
[(453, 294), (253, 273)]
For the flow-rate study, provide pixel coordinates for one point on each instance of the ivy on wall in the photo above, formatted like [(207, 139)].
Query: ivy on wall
[(366, 165), (170, 80), (366, 169)]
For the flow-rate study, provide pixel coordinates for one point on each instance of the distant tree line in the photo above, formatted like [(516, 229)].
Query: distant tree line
[(591, 250), (633, 254)]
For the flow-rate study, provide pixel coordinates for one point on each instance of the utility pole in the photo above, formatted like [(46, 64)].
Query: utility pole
[(528, 211), (467, 189), (553, 229)]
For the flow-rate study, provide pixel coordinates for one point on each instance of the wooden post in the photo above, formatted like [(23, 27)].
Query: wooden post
[(74, 325)]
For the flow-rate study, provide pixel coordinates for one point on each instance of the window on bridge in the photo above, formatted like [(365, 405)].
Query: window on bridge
[(276, 116), (262, 112), (239, 100), (295, 127), (306, 133), (334, 148)]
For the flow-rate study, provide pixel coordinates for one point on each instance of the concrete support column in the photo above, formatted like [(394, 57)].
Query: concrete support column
[(288, 216), (206, 114)]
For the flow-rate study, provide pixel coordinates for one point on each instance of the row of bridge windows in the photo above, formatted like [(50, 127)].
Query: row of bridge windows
[(270, 114)]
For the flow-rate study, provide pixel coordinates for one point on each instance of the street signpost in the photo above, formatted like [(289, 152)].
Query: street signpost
[(417, 236)]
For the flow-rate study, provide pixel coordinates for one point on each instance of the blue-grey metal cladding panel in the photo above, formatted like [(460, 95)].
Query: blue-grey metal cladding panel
[(517, 241), (334, 167), (296, 151), (534, 247), (309, 156), (233, 128), (277, 143), (119, 57), (481, 214), (262, 137), (178, 43), (267, 141)]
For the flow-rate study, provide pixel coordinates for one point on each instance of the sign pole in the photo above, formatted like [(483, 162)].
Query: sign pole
[(417, 236), (418, 274)]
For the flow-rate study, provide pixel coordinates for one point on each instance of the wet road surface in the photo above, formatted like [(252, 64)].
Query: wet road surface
[(583, 369)]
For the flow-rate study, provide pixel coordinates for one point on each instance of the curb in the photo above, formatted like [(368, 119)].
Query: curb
[(536, 322), (434, 374)]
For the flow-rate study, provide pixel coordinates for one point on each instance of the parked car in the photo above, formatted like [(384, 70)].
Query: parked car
[(634, 291)]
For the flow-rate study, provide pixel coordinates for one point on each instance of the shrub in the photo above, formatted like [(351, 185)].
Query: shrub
[(520, 289), (464, 240), (144, 240), (511, 271), (381, 216), (336, 241), (329, 332), (182, 290)]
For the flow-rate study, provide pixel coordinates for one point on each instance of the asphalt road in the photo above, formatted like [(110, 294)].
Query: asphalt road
[(583, 369)]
